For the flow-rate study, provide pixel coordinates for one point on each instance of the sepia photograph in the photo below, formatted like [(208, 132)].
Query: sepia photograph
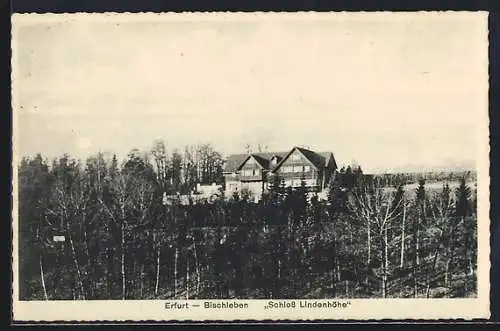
[(282, 164)]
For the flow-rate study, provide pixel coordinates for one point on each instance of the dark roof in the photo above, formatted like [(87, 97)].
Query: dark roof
[(263, 162), (319, 160), (268, 156), (315, 158), (233, 162)]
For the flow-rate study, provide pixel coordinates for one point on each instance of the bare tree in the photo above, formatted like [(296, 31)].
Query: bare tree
[(376, 209), (69, 200)]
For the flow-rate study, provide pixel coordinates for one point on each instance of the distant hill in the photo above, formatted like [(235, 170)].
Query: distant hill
[(448, 166)]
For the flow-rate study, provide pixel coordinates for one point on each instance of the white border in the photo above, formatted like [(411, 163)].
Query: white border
[(360, 309)]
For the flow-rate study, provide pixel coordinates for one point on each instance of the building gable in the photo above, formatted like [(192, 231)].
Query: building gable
[(296, 155), (272, 161), (330, 161), (251, 159)]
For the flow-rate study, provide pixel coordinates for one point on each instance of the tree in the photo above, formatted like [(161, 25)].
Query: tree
[(69, 201), (34, 185), (440, 232), (399, 204), (348, 180), (176, 172), (209, 164), (418, 223), (467, 245), (463, 205), (129, 235), (162, 165), (379, 212)]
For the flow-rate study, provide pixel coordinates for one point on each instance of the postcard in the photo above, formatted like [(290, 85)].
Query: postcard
[(250, 166)]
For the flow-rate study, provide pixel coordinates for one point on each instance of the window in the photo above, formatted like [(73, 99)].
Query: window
[(310, 182), (307, 168), (250, 172), (297, 169), (288, 169), (295, 157)]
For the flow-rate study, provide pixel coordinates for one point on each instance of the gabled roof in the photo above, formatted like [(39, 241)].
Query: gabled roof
[(318, 160), (327, 156), (233, 162), (267, 156), (262, 162)]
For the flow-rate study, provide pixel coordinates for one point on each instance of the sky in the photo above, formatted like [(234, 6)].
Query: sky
[(388, 91)]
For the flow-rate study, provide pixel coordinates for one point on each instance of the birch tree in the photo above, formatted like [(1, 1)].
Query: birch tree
[(377, 210), (69, 202)]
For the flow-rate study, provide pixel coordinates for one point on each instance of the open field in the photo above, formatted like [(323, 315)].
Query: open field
[(434, 187)]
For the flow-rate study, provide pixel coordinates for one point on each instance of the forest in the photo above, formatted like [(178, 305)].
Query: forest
[(100, 229)]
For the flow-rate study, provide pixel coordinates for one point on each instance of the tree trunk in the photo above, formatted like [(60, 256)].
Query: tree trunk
[(77, 267), (417, 252), (401, 263), (109, 272), (432, 271), (197, 267), (384, 285), (42, 278), (447, 275), (141, 281), (428, 286), (123, 260), (471, 267), (415, 279), (187, 277), (416, 257), (157, 283), (369, 236), (176, 256), (386, 265), (90, 264)]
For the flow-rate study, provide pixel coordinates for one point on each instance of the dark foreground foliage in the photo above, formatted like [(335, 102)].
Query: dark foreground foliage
[(123, 242)]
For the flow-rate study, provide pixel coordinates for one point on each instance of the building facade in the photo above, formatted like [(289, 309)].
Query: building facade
[(253, 172)]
